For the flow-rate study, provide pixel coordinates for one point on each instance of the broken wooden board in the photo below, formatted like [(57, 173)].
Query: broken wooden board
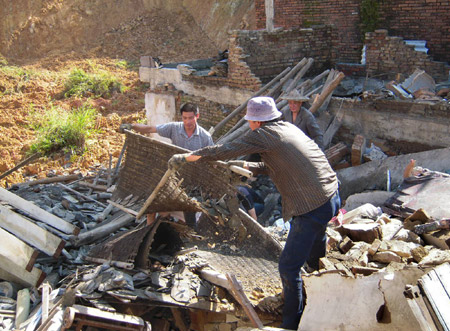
[(436, 286), (38, 213), (238, 294), (374, 302), (30, 233)]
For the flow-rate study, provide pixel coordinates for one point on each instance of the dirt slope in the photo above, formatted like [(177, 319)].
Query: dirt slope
[(41, 41)]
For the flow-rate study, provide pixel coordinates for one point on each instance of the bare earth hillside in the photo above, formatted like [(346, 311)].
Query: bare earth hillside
[(42, 41)]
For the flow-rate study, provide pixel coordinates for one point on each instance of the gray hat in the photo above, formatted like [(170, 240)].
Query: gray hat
[(295, 95), (262, 109)]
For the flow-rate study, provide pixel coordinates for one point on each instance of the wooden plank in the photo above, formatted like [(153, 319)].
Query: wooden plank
[(179, 320), (30, 233), (239, 295), (437, 293), (12, 272), (37, 212), (16, 250), (85, 312), (45, 300), (123, 208), (55, 179), (420, 314), (215, 278), (101, 231)]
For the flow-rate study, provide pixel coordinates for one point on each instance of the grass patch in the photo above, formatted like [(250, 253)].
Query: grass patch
[(61, 131), (98, 84)]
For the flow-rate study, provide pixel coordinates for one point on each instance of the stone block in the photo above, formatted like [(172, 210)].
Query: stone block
[(386, 257), (367, 232)]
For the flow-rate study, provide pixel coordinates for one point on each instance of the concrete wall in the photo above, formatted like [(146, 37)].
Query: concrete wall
[(160, 109), (401, 126), (220, 93)]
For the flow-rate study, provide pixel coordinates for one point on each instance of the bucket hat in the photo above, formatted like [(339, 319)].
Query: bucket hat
[(295, 95), (262, 109)]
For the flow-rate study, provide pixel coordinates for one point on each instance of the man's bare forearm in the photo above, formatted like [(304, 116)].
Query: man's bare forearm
[(143, 128)]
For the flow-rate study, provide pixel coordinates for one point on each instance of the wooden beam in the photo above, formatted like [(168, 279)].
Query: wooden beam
[(101, 231), (123, 208), (38, 213), (239, 295), (12, 272), (55, 179), (116, 321), (327, 91), (16, 250), (30, 233)]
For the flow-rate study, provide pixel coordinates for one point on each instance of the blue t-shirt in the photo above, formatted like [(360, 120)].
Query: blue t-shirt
[(175, 131)]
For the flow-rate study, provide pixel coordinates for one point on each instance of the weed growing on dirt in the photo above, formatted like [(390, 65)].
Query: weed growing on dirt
[(128, 65), (59, 130), (98, 84)]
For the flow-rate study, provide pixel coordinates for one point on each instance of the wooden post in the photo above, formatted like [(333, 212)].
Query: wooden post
[(239, 295), (23, 306), (328, 90)]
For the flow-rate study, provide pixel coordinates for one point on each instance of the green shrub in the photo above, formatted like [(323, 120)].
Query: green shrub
[(370, 15), (61, 131), (99, 84)]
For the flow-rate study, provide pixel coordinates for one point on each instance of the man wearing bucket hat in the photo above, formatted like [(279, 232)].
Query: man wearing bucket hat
[(302, 117), (307, 184)]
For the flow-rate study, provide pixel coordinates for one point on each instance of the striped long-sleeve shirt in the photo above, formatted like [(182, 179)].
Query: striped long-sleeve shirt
[(297, 166)]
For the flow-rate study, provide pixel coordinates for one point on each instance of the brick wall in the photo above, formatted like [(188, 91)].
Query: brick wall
[(342, 14), (413, 19), (257, 56), (388, 56)]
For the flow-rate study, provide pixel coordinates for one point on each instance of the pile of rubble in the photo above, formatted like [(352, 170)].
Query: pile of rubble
[(78, 255)]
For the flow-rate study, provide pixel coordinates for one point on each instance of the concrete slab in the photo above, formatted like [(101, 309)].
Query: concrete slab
[(338, 303), (373, 175)]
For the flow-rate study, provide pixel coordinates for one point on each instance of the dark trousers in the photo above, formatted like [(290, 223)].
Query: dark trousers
[(306, 242)]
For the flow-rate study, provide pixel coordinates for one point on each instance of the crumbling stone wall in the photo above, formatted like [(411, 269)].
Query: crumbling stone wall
[(414, 19), (258, 56), (402, 126), (386, 55)]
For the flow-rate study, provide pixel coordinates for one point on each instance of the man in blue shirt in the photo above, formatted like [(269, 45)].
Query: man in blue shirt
[(186, 134)]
